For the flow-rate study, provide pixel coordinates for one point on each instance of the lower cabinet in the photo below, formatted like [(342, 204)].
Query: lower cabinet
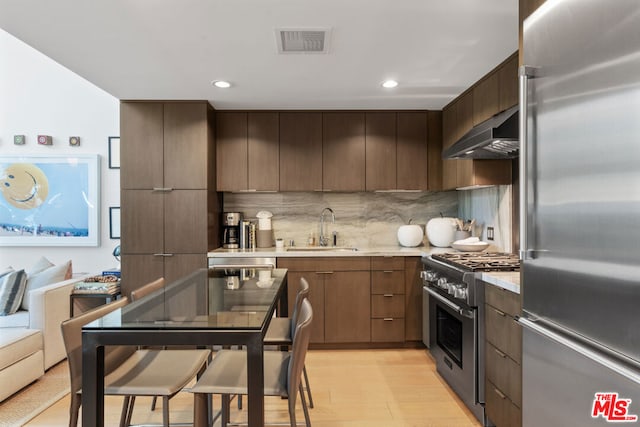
[(340, 294), (143, 268), (503, 357), (360, 299)]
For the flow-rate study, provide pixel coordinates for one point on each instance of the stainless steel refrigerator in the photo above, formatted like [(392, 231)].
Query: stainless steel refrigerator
[(580, 220)]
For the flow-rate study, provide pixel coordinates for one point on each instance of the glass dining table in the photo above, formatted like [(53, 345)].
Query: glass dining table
[(205, 308)]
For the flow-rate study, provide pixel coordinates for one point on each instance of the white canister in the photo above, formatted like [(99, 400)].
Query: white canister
[(441, 231), (264, 220)]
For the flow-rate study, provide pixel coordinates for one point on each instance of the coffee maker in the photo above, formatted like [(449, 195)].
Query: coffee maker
[(231, 222)]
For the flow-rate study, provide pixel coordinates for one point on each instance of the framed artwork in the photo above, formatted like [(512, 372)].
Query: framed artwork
[(114, 152), (114, 222), (49, 200)]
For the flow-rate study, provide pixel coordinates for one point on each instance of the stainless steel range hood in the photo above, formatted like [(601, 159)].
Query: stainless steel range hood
[(495, 138)]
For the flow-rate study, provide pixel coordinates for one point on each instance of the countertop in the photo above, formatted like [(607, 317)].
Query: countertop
[(509, 280), (329, 252)]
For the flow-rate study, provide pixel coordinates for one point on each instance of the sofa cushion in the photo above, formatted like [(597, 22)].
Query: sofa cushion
[(40, 265), (19, 319), (12, 286), (51, 275), (18, 343)]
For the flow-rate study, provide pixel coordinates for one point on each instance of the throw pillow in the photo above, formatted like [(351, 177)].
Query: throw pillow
[(51, 275), (12, 287), (40, 265)]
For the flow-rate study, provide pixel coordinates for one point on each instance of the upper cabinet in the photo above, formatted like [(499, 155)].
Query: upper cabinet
[(494, 93), (300, 151), (247, 151), (165, 145), (329, 150), (343, 151)]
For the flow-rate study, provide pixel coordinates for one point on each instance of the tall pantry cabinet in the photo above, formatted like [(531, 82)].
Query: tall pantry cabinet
[(169, 206)]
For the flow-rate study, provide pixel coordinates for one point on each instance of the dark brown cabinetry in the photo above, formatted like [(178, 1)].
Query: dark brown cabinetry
[(380, 135), (413, 299), (340, 296), (247, 153), (503, 357), (168, 213), (300, 151), (494, 93), (343, 151), (387, 299)]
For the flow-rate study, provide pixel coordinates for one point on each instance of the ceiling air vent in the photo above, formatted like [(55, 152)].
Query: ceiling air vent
[(303, 41)]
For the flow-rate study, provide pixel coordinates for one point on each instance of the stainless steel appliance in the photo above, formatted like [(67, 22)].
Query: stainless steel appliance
[(456, 308), (231, 222), (580, 152)]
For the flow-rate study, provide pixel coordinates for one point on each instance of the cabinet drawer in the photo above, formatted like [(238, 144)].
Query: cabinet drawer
[(503, 300), (387, 330), (500, 409), (387, 263), (387, 282), (503, 332), (387, 306), (326, 264), (502, 371)]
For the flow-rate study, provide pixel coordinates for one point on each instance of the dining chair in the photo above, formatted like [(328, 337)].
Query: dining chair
[(282, 329), (129, 371), (227, 373)]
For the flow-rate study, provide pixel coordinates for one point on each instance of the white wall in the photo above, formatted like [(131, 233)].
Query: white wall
[(39, 96)]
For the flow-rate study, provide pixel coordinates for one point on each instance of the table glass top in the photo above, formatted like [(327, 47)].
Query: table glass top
[(205, 299)]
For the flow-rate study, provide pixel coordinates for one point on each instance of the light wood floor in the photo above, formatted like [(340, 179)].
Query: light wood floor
[(351, 388)]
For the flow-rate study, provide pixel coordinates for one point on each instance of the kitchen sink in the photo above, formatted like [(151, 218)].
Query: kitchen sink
[(321, 249)]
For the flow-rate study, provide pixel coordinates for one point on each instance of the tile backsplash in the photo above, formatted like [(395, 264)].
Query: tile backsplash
[(490, 207), (362, 219)]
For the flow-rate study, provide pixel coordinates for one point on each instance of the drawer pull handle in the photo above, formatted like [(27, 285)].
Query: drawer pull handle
[(501, 354), (324, 272), (499, 393), (165, 255), (500, 313), (388, 319), (387, 271), (388, 295), (163, 189)]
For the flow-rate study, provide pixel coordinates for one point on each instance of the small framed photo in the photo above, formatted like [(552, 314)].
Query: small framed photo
[(114, 152), (114, 222)]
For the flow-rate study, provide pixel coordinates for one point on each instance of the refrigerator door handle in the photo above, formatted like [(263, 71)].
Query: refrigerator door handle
[(598, 357), (524, 74)]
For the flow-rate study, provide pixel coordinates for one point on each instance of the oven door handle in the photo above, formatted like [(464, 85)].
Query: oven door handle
[(241, 266), (461, 311)]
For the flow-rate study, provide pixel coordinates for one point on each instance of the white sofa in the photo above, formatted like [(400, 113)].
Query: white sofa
[(25, 333)]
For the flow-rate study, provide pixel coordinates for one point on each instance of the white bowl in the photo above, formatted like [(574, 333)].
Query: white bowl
[(470, 247)]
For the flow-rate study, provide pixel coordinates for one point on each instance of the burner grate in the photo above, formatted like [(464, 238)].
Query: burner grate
[(485, 261)]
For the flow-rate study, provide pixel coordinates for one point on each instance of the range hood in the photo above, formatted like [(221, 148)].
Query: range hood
[(495, 138)]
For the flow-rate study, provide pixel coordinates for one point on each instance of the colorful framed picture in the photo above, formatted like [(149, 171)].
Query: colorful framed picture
[(49, 200)]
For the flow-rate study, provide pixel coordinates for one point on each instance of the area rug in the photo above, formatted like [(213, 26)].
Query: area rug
[(36, 397)]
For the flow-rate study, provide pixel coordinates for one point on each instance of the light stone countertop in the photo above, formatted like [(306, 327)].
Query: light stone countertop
[(329, 252), (509, 280)]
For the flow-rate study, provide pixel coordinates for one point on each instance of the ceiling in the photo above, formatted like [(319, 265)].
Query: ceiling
[(174, 49)]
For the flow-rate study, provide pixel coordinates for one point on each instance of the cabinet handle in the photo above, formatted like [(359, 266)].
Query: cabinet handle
[(501, 354), (387, 295), (324, 272), (500, 313), (163, 189), (499, 393), (388, 271), (163, 254), (388, 319)]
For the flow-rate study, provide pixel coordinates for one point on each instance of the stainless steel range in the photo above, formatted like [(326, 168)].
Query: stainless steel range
[(454, 303)]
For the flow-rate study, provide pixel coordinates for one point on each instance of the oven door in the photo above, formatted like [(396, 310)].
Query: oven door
[(454, 345)]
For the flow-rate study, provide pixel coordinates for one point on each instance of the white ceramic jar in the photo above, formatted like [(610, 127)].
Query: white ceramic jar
[(441, 231)]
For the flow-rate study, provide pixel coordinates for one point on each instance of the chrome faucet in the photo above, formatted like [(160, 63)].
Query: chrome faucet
[(324, 240)]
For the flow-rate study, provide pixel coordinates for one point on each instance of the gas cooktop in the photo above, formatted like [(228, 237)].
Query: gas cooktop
[(485, 261)]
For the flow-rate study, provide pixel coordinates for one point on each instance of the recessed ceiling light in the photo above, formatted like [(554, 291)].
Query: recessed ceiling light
[(389, 84), (221, 84)]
